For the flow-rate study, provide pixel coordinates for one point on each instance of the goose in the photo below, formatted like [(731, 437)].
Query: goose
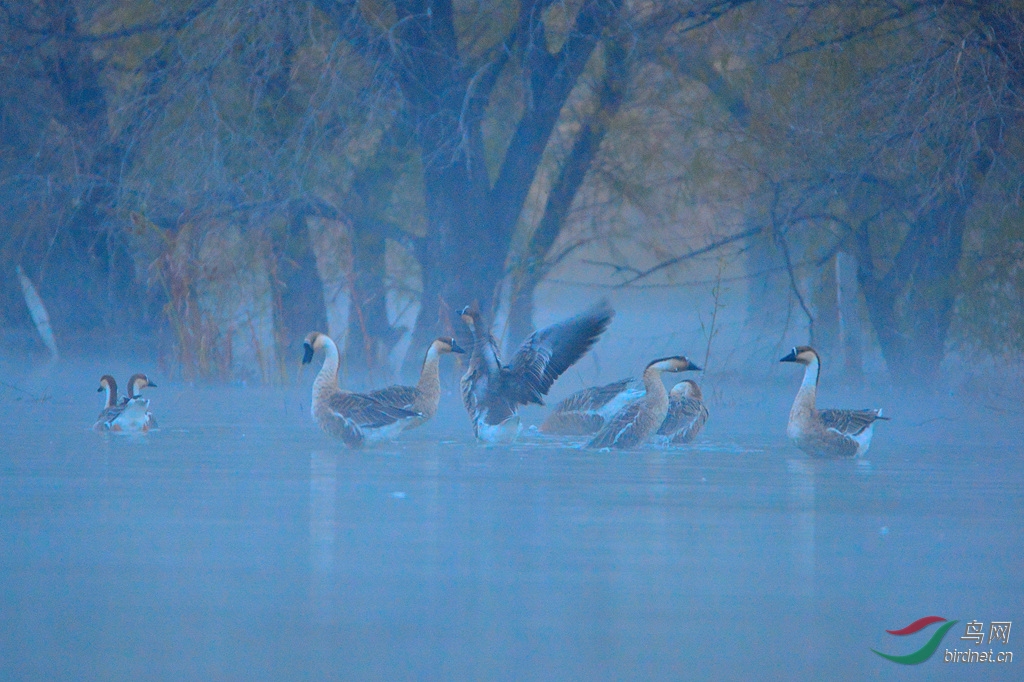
[(825, 433), (111, 409), (687, 413), (635, 422), (355, 418), (135, 415), (426, 394), (586, 411), (492, 392)]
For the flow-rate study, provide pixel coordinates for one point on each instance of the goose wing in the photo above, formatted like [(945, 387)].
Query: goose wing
[(594, 398), (550, 351), (849, 422), (622, 430), (396, 396), (681, 412), (108, 415), (692, 415), (366, 411)]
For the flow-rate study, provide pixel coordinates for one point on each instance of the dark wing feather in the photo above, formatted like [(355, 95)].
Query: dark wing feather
[(594, 398), (572, 423), (620, 431), (366, 411), (396, 396), (681, 411), (850, 422), (550, 351), (689, 430)]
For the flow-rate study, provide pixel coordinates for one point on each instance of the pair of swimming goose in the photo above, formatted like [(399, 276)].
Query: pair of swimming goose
[(132, 413), (358, 418), (624, 415), (491, 391)]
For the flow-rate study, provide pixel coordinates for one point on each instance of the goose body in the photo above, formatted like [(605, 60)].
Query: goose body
[(687, 413), (492, 392), (586, 411), (426, 394), (355, 418), (135, 415), (637, 421), (111, 409), (825, 433)]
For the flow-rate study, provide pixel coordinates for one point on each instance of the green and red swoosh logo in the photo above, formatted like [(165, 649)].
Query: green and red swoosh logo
[(925, 652)]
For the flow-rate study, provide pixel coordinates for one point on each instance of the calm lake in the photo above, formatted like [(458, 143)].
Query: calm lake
[(239, 543)]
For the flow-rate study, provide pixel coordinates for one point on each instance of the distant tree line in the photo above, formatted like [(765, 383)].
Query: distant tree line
[(147, 147)]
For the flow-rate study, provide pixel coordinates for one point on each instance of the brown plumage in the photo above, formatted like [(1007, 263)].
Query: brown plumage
[(687, 413), (825, 433), (426, 394), (638, 420), (111, 409), (492, 392), (355, 418), (587, 410)]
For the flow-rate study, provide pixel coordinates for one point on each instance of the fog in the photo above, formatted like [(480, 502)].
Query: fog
[(237, 541), (190, 190)]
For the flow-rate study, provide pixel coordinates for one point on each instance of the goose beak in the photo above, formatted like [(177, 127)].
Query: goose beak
[(456, 348), (99, 390), (694, 367), (791, 357), (307, 353), (150, 384)]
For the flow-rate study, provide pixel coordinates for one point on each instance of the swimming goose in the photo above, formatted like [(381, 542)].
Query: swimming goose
[(355, 418), (111, 409), (135, 414), (687, 413), (426, 394), (586, 411), (492, 392), (635, 422), (825, 433)]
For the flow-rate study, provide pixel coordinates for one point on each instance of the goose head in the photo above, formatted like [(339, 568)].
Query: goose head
[(471, 316), (313, 342), (687, 389), (803, 355), (673, 363), (108, 384), (136, 383), (446, 344)]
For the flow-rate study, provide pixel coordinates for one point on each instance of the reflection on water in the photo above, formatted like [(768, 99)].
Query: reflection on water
[(801, 501), (323, 489), (256, 548)]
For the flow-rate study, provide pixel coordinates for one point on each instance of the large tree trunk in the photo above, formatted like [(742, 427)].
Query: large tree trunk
[(297, 288), (470, 223), (536, 261)]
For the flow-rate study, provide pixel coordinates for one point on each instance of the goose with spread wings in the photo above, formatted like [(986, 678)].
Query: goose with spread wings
[(825, 433), (492, 392), (355, 418)]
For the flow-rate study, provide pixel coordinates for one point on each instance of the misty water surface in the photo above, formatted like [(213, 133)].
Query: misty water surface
[(240, 543)]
